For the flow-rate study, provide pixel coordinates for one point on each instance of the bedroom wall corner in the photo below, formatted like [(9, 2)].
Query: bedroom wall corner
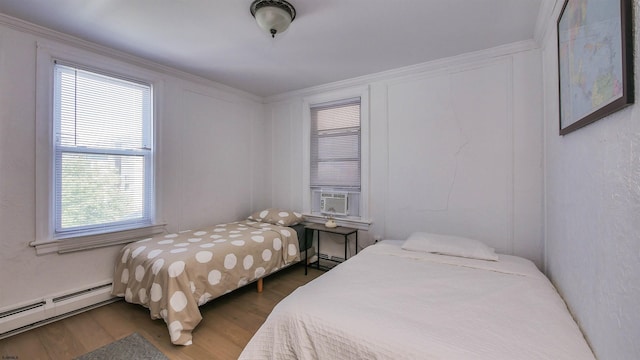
[(528, 162), (378, 153), (205, 133), (286, 155), (261, 161)]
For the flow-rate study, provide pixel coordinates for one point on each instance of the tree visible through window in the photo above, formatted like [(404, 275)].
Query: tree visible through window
[(103, 152)]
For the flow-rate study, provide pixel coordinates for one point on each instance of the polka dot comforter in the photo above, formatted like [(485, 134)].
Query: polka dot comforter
[(174, 274)]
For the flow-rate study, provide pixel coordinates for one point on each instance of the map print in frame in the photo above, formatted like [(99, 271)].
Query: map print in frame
[(595, 60)]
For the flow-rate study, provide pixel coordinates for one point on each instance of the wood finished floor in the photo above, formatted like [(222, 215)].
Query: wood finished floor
[(228, 324)]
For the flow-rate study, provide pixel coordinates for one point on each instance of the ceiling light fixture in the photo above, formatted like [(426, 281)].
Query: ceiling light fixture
[(273, 16)]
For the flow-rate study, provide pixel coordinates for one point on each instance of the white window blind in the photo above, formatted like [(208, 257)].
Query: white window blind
[(335, 145), (103, 152)]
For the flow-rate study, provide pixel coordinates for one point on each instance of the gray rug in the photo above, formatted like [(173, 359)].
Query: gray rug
[(131, 347)]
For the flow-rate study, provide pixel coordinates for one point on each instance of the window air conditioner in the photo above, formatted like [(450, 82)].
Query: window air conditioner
[(334, 203)]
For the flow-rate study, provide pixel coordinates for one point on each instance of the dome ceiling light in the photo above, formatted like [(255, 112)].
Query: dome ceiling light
[(273, 16)]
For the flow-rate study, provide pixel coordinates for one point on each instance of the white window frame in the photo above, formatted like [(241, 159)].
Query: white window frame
[(362, 92), (46, 241)]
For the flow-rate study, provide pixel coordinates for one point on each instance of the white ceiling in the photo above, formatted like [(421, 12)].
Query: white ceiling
[(329, 40)]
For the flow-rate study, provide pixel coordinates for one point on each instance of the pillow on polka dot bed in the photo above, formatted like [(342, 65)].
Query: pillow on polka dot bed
[(277, 217)]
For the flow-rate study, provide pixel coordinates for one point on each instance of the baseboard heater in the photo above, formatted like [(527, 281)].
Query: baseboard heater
[(330, 257), (44, 311)]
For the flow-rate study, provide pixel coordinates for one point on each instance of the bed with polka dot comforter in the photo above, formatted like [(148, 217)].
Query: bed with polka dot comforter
[(174, 274)]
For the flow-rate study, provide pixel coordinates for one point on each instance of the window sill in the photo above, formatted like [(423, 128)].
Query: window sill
[(356, 223), (62, 246)]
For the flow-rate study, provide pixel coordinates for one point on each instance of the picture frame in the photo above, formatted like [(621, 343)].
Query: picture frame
[(595, 60)]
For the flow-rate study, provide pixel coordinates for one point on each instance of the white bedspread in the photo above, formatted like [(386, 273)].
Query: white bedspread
[(388, 303)]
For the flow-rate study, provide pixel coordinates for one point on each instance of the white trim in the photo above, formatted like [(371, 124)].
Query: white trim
[(359, 224), (510, 166), (88, 242), (363, 93), (364, 152), (547, 68), (46, 53), (435, 65), (45, 221), (545, 24), (66, 39), (546, 14), (306, 156)]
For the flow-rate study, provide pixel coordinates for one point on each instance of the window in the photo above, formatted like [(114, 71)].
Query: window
[(335, 161), (335, 145), (102, 156)]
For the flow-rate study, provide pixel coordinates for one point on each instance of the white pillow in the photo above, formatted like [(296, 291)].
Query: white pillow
[(449, 245)]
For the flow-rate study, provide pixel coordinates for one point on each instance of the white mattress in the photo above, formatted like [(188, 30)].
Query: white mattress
[(388, 303)]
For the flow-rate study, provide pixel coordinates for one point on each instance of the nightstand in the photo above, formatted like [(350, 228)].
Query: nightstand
[(320, 228)]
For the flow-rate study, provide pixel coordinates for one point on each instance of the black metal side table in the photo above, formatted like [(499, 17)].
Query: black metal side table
[(340, 230)]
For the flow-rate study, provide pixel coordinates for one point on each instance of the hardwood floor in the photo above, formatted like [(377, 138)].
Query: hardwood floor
[(228, 324)]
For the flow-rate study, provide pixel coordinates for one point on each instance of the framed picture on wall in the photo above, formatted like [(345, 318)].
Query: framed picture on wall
[(595, 60)]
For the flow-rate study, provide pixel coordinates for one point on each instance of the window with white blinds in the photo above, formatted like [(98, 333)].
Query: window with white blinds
[(335, 145), (103, 178)]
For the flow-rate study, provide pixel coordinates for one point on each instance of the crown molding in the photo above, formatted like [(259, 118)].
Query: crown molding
[(411, 70), (543, 20), (547, 19), (49, 34), (547, 9)]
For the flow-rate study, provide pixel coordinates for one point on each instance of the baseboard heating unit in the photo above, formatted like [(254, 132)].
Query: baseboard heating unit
[(27, 316), (331, 257)]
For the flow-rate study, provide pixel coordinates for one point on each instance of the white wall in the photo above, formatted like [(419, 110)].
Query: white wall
[(592, 180), (212, 164), (455, 147)]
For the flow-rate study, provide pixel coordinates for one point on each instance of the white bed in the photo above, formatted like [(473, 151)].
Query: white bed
[(390, 303)]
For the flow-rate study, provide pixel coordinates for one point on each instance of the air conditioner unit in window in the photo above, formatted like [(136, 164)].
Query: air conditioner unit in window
[(334, 203)]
